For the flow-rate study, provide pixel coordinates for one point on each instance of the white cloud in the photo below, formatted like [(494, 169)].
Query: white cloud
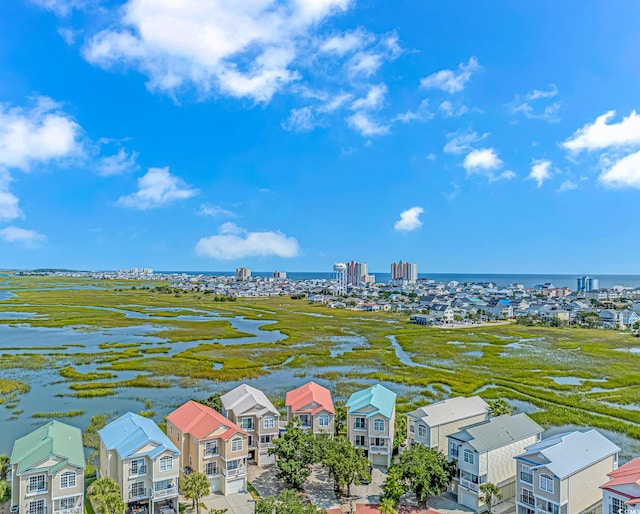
[(157, 188), (118, 163), (364, 64), (301, 120), (448, 110), (36, 135), (540, 171), (242, 49), (536, 94), (529, 105), (409, 220), (233, 242), (362, 123), (485, 159), (12, 234), (567, 185), (9, 209), (459, 142), (452, 81), (373, 100), (336, 102), (62, 7), (421, 114), (215, 211), (348, 42), (623, 173), (600, 134)]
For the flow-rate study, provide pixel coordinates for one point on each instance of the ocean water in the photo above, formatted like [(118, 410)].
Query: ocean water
[(606, 281)]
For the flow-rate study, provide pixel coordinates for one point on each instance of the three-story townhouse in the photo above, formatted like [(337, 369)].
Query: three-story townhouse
[(430, 425), (47, 470), (621, 492), (143, 462), (371, 415), (563, 473), (210, 444), (484, 452), (251, 410), (312, 405)]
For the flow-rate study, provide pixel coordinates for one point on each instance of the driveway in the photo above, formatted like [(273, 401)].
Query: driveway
[(238, 503)]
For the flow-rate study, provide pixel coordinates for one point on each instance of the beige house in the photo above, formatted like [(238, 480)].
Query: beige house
[(250, 409), (47, 470), (211, 444), (563, 473), (484, 452), (312, 405), (371, 416), (144, 463), (430, 425)]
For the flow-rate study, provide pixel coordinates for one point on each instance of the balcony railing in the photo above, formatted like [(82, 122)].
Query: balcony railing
[(237, 472), (526, 477), (359, 426), (266, 446), (378, 449), (140, 471), (209, 454), (140, 493), (35, 490), (165, 493), (73, 510), (467, 484), (43, 510)]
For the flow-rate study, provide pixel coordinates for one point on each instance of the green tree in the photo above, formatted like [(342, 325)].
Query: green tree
[(500, 407), (105, 493), (340, 419), (400, 431), (387, 506), (5, 491), (425, 471), (346, 464), (5, 466), (195, 486), (287, 502), (490, 494), (394, 486), (214, 401), (296, 452)]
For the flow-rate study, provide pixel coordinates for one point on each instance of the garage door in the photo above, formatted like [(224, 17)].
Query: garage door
[(265, 459), (215, 485), (466, 499), (380, 460), (235, 486)]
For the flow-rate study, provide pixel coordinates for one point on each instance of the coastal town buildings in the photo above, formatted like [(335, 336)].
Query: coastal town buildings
[(211, 444), (243, 274), (47, 471), (312, 405), (404, 272), (143, 462)]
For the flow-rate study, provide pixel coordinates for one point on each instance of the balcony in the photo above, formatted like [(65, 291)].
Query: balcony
[(379, 449), (73, 510), (35, 490), (233, 473), (266, 446), (467, 484), (43, 510), (140, 471), (141, 493), (210, 454), (165, 493), (360, 425), (526, 477)]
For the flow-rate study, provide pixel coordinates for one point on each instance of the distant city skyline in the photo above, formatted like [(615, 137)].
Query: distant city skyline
[(461, 136)]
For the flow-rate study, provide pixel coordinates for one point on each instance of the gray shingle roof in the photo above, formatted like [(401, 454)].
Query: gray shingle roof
[(497, 432), (450, 410)]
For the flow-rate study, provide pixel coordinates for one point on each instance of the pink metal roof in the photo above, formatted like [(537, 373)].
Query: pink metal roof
[(310, 393), (624, 475), (200, 421)]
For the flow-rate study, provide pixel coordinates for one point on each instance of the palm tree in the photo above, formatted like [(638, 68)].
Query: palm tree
[(490, 494), (106, 495), (5, 465), (387, 506), (195, 486)]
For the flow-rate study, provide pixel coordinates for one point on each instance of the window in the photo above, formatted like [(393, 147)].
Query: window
[(178, 436), (162, 485), (137, 489), (210, 448), (323, 420), (236, 444), (266, 439), (305, 421), (170, 429), (68, 503), (269, 422), (546, 483), (378, 425), (37, 484), (138, 467), (453, 450), (468, 456), (527, 497), (36, 507), (247, 423), (552, 508), (618, 506), (360, 424), (412, 428), (422, 431), (67, 479), (211, 468), (360, 440), (166, 463), (526, 475), (233, 464)]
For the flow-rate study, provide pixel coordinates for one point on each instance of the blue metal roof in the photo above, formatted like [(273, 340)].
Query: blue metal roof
[(382, 399), (130, 432)]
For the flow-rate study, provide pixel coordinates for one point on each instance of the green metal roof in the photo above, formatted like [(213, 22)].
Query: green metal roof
[(53, 439)]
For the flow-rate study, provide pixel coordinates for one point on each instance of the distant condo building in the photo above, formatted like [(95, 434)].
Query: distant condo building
[(243, 274), (279, 274), (586, 284), (404, 272), (340, 276), (358, 273)]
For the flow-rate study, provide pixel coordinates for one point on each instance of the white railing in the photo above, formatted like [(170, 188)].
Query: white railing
[(379, 449), (34, 491), (210, 454), (265, 446), (237, 472), (469, 485), (164, 493), (73, 510)]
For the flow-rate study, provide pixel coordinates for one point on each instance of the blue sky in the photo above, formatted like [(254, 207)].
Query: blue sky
[(288, 134)]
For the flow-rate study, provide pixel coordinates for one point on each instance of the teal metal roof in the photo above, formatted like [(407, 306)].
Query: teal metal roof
[(379, 397), (55, 439)]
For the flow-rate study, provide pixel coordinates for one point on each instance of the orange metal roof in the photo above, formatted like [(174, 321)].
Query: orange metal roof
[(627, 474), (307, 394), (201, 421)]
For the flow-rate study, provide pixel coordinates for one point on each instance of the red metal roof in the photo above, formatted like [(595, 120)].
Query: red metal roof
[(308, 394), (201, 421)]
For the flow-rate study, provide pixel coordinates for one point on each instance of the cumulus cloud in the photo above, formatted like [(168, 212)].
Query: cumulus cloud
[(485, 159), (366, 126), (529, 105), (157, 188), (409, 220), (448, 110), (460, 141), (452, 81), (540, 171), (118, 164), (215, 211), (233, 242), (600, 134), (62, 7), (9, 209), (623, 173), (421, 114), (12, 234), (567, 185), (240, 49), (347, 42), (373, 100)]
